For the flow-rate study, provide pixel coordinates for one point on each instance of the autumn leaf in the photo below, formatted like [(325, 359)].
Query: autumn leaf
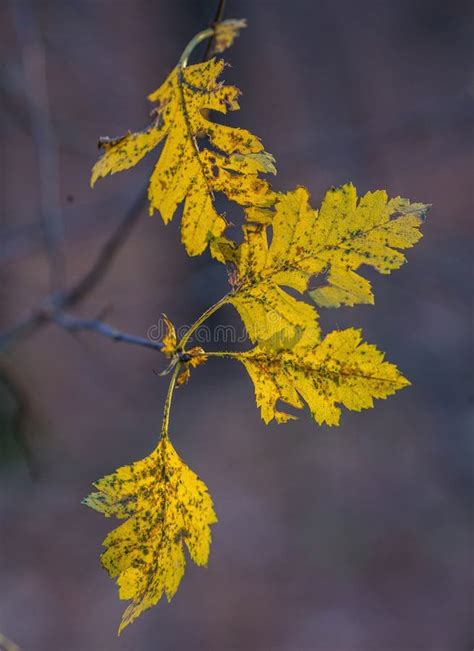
[(341, 369), (335, 241), (346, 233), (199, 158), (164, 504)]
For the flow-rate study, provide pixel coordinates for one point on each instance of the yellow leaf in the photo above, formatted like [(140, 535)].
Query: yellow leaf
[(188, 171), (164, 504), (226, 32), (341, 369), (345, 234), (334, 242)]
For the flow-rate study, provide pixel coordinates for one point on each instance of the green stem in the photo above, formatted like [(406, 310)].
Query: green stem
[(168, 400), (206, 33), (223, 353), (201, 320)]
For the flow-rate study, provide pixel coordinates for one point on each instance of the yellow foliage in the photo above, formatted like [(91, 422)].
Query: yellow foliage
[(336, 241), (186, 172), (341, 369), (164, 504), (286, 244), (346, 233)]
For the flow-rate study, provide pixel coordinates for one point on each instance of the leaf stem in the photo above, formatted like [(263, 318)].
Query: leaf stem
[(73, 324), (204, 316), (223, 353), (201, 36), (168, 400)]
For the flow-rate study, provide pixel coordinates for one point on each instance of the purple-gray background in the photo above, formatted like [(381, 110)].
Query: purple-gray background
[(350, 539)]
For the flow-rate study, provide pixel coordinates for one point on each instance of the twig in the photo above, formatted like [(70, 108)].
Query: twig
[(41, 316), (36, 94), (217, 19), (73, 324), (108, 252)]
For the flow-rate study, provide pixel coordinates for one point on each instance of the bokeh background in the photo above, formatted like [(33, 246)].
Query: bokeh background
[(355, 538)]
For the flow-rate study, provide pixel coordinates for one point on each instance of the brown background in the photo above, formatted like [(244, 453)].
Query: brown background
[(348, 539)]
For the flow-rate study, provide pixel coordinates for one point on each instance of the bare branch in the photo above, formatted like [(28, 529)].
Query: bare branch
[(108, 252), (73, 324), (42, 315), (217, 19), (36, 94)]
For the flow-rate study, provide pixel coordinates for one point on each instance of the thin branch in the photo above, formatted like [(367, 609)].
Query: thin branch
[(217, 19), (36, 95), (42, 315), (73, 324), (108, 252)]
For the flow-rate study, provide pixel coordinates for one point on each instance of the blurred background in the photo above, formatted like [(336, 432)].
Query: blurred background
[(357, 538)]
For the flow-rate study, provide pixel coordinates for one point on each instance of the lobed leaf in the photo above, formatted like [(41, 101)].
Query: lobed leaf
[(164, 504), (345, 234), (341, 369), (229, 160)]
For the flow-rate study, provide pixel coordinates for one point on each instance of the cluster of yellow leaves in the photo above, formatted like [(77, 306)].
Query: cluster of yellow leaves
[(164, 504), (290, 362), (286, 244)]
